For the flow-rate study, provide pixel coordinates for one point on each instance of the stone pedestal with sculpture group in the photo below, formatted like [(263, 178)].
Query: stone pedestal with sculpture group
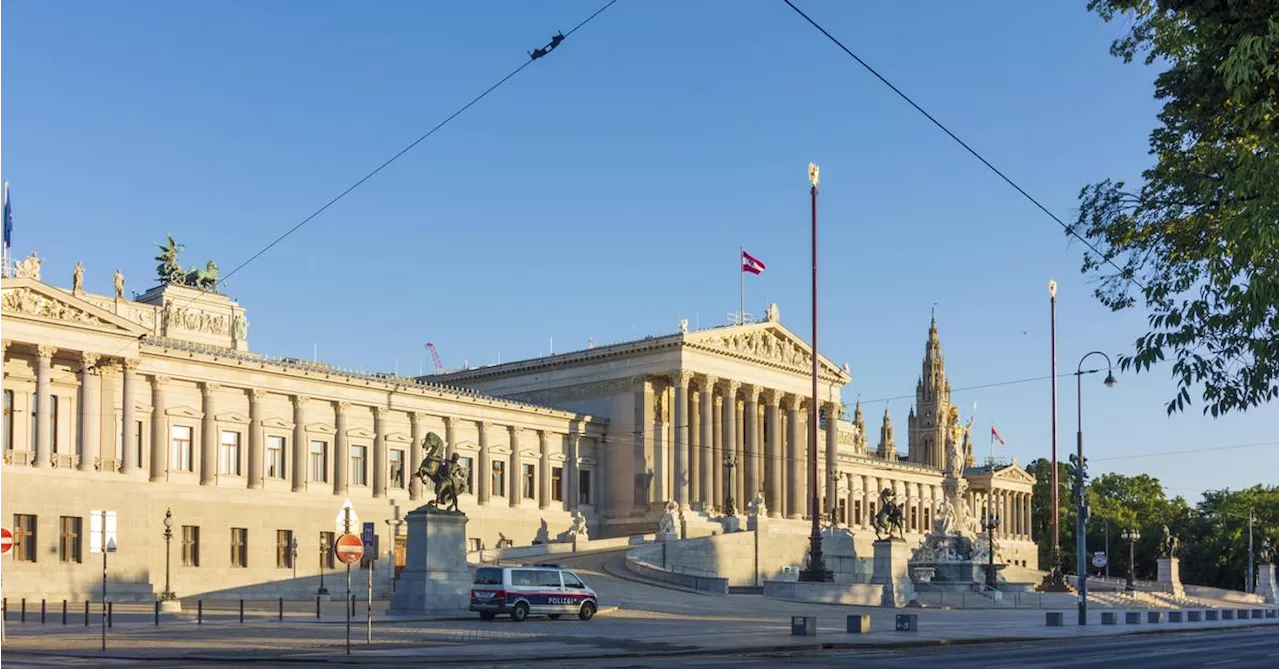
[(1167, 576), (435, 580), (890, 571)]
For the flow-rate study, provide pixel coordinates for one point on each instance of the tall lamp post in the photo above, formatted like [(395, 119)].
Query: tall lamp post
[(1132, 536), (990, 522), (815, 570), (730, 461), (1054, 580), (1082, 573), (167, 595)]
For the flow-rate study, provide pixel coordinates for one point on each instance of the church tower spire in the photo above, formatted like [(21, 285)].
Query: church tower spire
[(887, 450), (926, 424)]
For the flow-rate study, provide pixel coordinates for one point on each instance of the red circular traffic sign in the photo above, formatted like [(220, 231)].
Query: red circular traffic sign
[(348, 548), (6, 540)]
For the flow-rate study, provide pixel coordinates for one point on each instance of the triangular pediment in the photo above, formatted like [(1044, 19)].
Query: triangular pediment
[(27, 298), (399, 438), (184, 412), (232, 417), (1012, 473), (277, 424), (767, 342), (360, 433)]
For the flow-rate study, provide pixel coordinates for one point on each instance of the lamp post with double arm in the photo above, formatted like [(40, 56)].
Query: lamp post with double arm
[(730, 461), (1132, 536), (168, 594)]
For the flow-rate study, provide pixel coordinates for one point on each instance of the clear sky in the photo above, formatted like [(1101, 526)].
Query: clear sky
[(603, 193)]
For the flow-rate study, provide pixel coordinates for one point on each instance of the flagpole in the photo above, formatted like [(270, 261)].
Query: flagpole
[(742, 289)]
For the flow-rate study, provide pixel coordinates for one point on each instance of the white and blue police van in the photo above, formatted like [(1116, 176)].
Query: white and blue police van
[(544, 589)]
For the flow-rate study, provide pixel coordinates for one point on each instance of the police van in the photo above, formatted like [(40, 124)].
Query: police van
[(544, 589)]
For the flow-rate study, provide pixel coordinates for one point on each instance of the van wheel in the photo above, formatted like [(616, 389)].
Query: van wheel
[(486, 616), (519, 612), (587, 612), (554, 616)]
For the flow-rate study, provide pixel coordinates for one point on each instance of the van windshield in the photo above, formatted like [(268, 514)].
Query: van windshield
[(488, 576)]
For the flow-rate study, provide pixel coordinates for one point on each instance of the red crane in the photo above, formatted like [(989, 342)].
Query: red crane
[(435, 357)]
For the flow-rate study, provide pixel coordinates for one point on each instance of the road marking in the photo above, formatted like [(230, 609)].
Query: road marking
[(1210, 664)]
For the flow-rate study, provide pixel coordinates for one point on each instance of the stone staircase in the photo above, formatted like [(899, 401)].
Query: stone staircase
[(698, 523)]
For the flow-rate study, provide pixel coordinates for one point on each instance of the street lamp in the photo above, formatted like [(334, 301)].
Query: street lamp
[(167, 595), (1132, 537), (1082, 574), (815, 570), (989, 523), (730, 461), (324, 548), (834, 503)]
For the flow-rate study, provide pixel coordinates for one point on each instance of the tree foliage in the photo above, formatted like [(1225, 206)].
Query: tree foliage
[(1197, 240)]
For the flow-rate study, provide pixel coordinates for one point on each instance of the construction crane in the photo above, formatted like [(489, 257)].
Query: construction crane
[(435, 357)]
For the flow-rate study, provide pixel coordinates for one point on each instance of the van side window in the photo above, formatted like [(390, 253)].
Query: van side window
[(548, 579), (524, 577), (571, 581), (488, 576)]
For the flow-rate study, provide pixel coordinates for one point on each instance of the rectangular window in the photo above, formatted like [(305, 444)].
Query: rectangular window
[(7, 431), (275, 457), (584, 486), (53, 422), (229, 454), (842, 511), (69, 539), (857, 511), (319, 455), (396, 467), (499, 479), (138, 445), (359, 465), (465, 463), (284, 549), (180, 448), (24, 537), (190, 546), (530, 481), (35, 421), (239, 547), (326, 550), (557, 494), (915, 518)]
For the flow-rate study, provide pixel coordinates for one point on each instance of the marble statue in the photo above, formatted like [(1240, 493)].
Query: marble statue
[(757, 505), (118, 279), (241, 327), (670, 519), (77, 278), (28, 267), (578, 526)]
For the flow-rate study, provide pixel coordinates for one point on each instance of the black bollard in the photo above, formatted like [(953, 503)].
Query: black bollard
[(199, 611), (86, 613), (22, 613), (241, 610), (42, 612), (353, 605), (4, 608), (157, 613), (64, 612), (317, 607), (111, 614), (282, 609)]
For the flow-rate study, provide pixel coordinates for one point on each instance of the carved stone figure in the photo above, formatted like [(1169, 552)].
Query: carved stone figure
[(119, 283), (670, 519), (944, 519), (1169, 543), (448, 476), (771, 312), (169, 270), (241, 327), (77, 278), (684, 325), (757, 506), (578, 526), (955, 442), (888, 519), (28, 267)]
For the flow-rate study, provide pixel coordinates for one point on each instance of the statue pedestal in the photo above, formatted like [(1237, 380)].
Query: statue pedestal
[(1167, 576), (1267, 582), (889, 570), (435, 580)]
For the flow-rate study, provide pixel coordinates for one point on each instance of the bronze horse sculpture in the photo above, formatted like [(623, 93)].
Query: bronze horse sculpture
[(447, 475)]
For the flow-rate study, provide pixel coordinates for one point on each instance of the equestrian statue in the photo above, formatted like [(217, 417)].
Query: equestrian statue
[(447, 475), (888, 519)]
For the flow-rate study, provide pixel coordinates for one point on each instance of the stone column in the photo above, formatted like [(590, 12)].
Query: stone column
[(740, 453), (833, 463), (544, 470), (795, 461), (257, 454), (573, 441), (484, 475), (513, 468), (90, 428), (850, 498), (208, 437), (695, 446), (159, 440), (341, 456), (450, 438), (301, 448), (680, 447), (751, 445), (44, 406), (717, 449), (129, 418), (379, 452), (772, 455), (418, 428), (730, 439), (706, 451)]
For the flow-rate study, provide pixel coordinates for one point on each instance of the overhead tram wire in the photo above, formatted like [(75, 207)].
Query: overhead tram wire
[(1194, 450), (534, 56), (963, 144)]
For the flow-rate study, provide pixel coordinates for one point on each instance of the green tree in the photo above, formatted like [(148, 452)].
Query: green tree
[(1217, 546), (1042, 514), (1198, 239)]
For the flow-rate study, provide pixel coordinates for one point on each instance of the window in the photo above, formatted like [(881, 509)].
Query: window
[(857, 512), (572, 581), (556, 493), (53, 422), (284, 549), (138, 445), (190, 546), (359, 465), (488, 576), (239, 547), (530, 481), (465, 462), (24, 538), (499, 479), (548, 579), (180, 448), (915, 518), (275, 457), (584, 486), (69, 539), (229, 454), (396, 467), (842, 511), (7, 430), (319, 461), (35, 421), (326, 550)]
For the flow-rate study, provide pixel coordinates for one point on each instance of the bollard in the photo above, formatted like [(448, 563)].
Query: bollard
[(157, 613), (241, 610), (1108, 617), (1053, 619), (282, 609), (41, 611), (64, 612), (804, 626), (857, 624), (111, 614), (199, 611), (22, 613), (906, 622), (1212, 614), (1194, 616), (1175, 616), (86, 613), (1157, 616), (1228, 614), (4, 608), (1133, 617), (317, 607)]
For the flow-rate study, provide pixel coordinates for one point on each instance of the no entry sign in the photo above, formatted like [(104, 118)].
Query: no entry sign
[(6, 540), (349, 548)]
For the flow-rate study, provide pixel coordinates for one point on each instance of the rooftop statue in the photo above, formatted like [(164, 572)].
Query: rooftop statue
[(170, 272)]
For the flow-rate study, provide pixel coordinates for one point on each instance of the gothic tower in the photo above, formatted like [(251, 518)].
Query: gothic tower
[(927, 422), (887, 450), (860, 436)]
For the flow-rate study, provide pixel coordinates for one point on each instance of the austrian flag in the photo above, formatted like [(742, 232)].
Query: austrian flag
[(751, 264), (996, 435)]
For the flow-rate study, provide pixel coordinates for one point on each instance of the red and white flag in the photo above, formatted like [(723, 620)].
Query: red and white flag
[(996, 435), (751, 264)]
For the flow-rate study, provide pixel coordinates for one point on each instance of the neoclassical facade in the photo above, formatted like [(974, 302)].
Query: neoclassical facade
[(159, 403)]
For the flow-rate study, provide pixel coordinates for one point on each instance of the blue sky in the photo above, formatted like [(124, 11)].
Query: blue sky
[(603, 193)]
